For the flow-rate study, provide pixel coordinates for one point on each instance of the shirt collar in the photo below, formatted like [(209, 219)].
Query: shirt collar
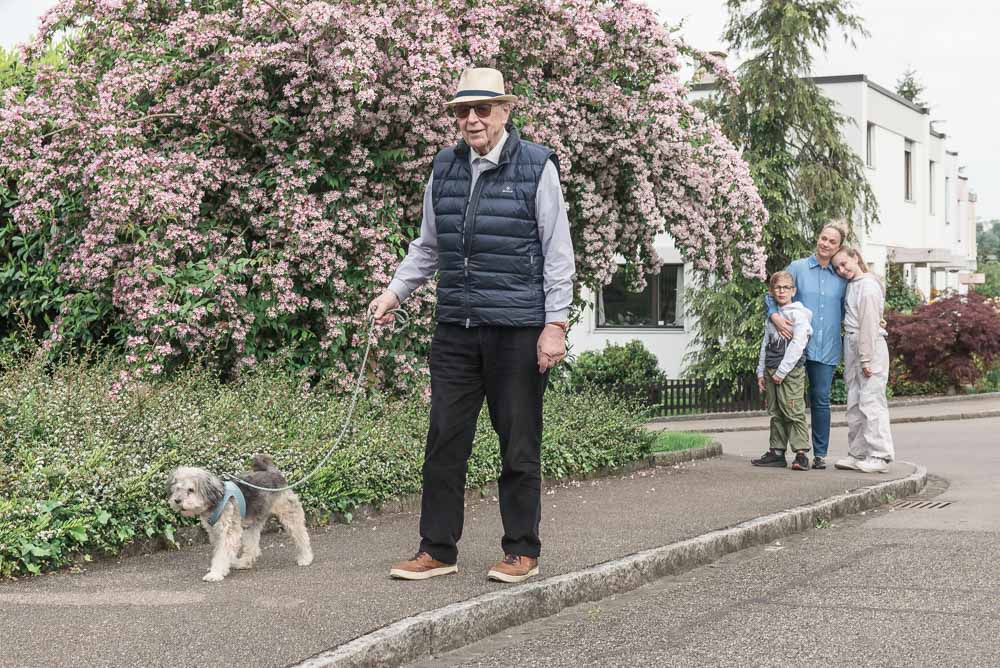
[(814, 262), (494, 155)]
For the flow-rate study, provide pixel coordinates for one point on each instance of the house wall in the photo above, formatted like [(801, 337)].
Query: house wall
[(668, 344)]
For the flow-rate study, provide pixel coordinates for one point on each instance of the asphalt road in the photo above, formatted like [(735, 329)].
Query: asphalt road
[(896, 587)]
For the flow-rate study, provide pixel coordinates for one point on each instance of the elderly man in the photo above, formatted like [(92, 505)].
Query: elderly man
[(495, 229)]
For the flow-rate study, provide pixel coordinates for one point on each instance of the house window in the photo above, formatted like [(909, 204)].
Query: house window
[(908, 171), (870, 145), (947, 200), (659, 305), (930, 187)]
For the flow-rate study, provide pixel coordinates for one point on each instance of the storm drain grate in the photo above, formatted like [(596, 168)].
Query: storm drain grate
[(922, 505)]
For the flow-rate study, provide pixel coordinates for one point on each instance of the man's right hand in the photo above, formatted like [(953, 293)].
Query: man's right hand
[(783, 325), (381, 306)]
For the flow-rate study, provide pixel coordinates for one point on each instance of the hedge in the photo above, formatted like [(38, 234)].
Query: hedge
[(83, 471)]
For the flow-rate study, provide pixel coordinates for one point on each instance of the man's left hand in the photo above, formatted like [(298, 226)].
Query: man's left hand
[(551, 347)]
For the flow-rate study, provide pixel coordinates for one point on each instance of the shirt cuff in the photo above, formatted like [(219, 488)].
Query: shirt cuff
[(562, 315), (399, 289)]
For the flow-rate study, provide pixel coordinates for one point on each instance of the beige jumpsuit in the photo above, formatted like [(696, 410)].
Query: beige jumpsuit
[(864, 345)]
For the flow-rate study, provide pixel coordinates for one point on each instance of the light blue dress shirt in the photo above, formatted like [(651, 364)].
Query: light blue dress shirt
[(821, 291)]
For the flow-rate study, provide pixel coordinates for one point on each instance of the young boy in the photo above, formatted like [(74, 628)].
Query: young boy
[(781, 374)]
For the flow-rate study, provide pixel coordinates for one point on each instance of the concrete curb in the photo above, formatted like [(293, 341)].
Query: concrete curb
[(437, 631), (839, 422), (678, 456), (905, 401)]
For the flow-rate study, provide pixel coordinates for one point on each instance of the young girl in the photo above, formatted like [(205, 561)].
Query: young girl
[(866, 367)]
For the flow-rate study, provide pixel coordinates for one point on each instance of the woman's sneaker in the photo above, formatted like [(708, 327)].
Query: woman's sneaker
[(770, 458), (848, 463), (873, 465), (819, 463), (801, 462)]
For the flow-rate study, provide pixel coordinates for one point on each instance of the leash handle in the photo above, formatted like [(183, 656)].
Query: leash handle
[(403, 319)]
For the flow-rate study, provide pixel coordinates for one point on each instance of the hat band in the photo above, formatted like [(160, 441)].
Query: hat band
[(477, 93)]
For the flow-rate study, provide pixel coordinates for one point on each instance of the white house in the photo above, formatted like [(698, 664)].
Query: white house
[(926, 211)]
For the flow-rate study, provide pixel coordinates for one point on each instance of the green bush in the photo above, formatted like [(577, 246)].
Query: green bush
[(901, 383), (618, 369), (838, 389), (899, 296), (991, 274), (83, 471), (990, 381)]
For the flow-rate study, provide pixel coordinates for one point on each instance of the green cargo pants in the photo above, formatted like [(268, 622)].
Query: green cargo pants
[(786, 404)]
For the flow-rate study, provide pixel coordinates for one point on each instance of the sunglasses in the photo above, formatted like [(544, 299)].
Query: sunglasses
[(482, 110)]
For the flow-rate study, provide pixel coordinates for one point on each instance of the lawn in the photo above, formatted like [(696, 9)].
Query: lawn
[(669, 441)]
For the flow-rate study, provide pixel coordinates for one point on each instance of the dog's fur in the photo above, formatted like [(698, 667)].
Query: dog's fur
[(194, 492)]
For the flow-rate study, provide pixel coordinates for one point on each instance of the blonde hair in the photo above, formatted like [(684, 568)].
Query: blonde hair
[(856, 255), (841, 228), (778, 275)]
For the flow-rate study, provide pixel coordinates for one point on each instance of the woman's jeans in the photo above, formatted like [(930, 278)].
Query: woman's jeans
[(820, 380)]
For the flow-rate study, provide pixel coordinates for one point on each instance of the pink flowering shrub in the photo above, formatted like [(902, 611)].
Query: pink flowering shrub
[(230, 179)]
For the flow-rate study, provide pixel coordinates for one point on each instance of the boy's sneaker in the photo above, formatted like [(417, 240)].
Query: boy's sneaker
[(801, 462), (770, 458), (848, 463), (819, 463), (873, 465)]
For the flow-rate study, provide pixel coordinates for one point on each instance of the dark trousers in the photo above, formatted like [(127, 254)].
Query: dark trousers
[(500, 364)]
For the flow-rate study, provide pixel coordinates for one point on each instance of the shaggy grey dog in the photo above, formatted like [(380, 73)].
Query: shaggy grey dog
[(195, 492)]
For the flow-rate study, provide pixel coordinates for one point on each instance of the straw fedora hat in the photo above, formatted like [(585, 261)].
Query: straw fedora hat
[(480, 84)]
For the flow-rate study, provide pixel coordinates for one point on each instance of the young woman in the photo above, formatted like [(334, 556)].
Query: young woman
[(866, 367)]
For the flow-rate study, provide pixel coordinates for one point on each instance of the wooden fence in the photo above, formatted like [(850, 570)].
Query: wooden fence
[(680, 396)]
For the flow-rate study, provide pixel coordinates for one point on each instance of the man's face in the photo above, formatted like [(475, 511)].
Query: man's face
[(481, 132)]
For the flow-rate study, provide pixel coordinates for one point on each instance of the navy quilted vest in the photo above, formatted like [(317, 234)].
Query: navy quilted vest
[(489, 255)]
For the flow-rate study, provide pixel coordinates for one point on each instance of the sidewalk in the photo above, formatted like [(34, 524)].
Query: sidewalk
[(900, 411), (154, 610)]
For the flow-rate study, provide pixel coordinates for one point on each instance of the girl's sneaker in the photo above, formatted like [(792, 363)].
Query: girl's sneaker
[(873, 465), (848, 463), (801, 462)]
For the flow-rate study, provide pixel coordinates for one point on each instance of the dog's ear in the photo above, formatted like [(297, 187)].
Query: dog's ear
[(171, 481), (209, 487), (262, 462)]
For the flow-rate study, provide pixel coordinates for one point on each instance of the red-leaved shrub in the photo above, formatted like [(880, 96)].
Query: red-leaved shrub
[(957, 337)]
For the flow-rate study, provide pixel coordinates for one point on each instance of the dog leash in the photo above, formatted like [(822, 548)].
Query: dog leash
[(403, 319)]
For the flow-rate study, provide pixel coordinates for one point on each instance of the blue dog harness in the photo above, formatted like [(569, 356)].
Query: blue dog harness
[(230, 491)]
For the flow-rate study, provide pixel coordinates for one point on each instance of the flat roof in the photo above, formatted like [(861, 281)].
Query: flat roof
[(846, 78), (855, 78)]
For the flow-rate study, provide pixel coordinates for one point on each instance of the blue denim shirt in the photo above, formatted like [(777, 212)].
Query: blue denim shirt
[(821, 291)]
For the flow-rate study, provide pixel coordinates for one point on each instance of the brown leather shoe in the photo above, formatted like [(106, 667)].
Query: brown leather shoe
[(421, 567), (514, 568)]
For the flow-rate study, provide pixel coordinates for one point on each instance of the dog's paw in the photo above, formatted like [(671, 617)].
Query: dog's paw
[(305, 559), (212, 576)]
